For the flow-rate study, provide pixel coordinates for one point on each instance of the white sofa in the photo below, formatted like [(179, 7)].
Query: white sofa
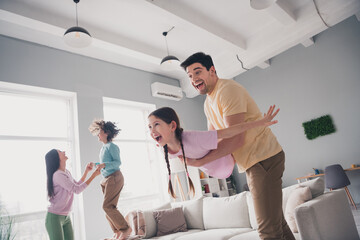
[(327, 216)]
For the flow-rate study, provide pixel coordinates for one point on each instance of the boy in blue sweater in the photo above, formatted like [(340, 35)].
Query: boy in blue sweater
[(113, 181)]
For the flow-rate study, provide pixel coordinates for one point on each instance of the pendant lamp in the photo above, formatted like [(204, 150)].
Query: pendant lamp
[(261, 4), (169, 62), (77, 37)]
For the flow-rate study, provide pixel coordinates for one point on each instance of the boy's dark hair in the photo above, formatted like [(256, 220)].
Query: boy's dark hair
[(198, 57), (168, 115)]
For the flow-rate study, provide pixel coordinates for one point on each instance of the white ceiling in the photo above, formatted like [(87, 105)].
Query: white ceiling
[(129, 32)]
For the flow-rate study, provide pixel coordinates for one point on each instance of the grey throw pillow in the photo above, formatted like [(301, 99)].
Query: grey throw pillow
[(316, 185), (170, 221)]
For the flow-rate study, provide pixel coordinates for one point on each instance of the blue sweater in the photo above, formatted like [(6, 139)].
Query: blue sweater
[(110, 155)]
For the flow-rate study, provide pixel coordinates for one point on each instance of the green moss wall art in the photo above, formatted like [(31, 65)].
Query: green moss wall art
[(319, 127)]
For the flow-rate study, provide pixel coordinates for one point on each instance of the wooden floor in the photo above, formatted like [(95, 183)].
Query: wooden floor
[(356, 214)]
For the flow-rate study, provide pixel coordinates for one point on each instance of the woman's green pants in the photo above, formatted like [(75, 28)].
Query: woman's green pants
[(59, 227)]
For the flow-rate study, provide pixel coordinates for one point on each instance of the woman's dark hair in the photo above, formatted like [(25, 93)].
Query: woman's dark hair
[(168, 115), (52, 161), (108, 127), (198, 57)]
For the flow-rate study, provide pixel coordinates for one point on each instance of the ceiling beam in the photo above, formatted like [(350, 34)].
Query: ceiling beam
[(281, 12), (264, 65), (308, 42), (207, 25)]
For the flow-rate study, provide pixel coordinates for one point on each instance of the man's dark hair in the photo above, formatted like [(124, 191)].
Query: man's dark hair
[(198, 57)]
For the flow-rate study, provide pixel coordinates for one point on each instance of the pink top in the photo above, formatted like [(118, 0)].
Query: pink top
[(64, 188), (197, 144)]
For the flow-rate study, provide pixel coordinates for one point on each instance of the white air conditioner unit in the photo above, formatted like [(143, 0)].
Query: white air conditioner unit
[(166, 91)]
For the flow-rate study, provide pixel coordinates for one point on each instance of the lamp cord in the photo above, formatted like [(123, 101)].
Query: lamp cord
[(318, 12), (165, 34), (77, 24), (242, 64), (167, 48)]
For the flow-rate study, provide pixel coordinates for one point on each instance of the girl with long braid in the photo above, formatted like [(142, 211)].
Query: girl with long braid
[(164, 125)]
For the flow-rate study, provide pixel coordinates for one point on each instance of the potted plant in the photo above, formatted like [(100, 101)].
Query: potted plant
[(6, 225)]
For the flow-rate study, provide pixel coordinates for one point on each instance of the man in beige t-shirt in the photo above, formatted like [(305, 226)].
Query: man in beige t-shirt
[(256, 152)]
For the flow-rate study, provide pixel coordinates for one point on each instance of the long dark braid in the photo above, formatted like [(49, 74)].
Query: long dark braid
[(178, 134), (168, 115), (170, 188)]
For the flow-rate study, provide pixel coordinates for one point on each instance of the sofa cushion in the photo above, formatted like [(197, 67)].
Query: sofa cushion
[(252, 216), (170, 221), (297, 197), (177, 235), (150, 223), (254, 235), (286, 192), (316, 185), (193, 212), (226, 212), (215, 234)]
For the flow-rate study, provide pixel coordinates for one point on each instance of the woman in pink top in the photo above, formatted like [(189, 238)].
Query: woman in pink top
[(61, 187), (165, 129)]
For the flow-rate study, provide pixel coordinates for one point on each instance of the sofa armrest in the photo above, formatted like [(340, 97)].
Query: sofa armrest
[(327, 217)]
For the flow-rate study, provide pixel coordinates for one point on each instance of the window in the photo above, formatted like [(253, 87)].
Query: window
[(142, 163), (33, 121)]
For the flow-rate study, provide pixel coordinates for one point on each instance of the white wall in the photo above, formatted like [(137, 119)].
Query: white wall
[(30, 64), (307, 83)]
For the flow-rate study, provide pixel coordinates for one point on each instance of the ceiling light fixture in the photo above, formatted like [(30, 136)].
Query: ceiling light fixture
[(77, 37), (169, 62), (261, 4)]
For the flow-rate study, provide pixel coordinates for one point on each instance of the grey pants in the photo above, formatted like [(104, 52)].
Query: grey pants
[(265, 184)]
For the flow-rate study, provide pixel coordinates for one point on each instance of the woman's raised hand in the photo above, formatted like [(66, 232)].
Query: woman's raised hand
[(89, 166)]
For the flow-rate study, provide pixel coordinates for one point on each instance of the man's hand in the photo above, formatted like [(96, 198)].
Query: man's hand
[(270, 115), (191, 161)]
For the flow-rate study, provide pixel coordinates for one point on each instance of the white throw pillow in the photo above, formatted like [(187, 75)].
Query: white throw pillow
[(150, 222), (226, 212), (286, 192), (297, 197), (193, 212)]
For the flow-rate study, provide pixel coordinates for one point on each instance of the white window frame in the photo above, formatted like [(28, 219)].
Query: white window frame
[(147, 109), (73, 139)]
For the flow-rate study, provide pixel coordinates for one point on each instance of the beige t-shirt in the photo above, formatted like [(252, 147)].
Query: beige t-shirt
[(229, 98)]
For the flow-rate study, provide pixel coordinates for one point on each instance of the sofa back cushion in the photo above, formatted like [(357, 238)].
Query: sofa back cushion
[(252, 216), (226, 212), (296, 198), (193, 212), (316, 185), (150, 222)]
